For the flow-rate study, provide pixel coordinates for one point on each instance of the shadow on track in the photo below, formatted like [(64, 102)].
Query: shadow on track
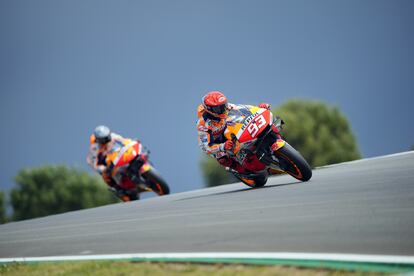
[(241, 190)]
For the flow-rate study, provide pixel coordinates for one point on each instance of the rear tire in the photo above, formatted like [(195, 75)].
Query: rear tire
[(293, 163), (156, 182)]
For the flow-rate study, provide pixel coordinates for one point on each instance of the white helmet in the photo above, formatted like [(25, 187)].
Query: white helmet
[(102, 134)]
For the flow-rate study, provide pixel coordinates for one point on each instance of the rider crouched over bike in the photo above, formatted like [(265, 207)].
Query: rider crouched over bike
[(211, 124), (101, 143)]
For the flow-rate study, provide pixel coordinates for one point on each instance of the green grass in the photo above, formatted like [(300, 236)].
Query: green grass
[(120, 268)]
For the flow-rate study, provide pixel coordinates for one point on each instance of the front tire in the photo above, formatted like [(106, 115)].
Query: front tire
[(156, 182), (292, 162)]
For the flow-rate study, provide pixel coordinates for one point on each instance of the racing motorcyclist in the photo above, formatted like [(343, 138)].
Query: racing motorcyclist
[(211, 124), (101, 142)]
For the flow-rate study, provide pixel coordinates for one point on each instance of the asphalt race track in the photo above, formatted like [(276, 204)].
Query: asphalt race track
[(362, 207)]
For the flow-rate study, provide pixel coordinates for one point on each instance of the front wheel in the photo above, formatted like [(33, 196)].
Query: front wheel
[(156, 182), (292, 162)]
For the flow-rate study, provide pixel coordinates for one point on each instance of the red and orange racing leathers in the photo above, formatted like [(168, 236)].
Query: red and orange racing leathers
[(211, 137), (97, 155)]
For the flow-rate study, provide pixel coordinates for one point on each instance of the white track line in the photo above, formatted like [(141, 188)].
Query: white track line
[(358, 258)]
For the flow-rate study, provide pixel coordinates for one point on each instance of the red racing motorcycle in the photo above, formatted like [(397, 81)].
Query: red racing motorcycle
[(260, 149), (130, 168)]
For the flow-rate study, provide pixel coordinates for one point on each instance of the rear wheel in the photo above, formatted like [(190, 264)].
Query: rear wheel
[(156, 182), (292, 162)]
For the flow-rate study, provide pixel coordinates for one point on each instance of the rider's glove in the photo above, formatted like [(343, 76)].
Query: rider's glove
[(228, 145), (264, 105)]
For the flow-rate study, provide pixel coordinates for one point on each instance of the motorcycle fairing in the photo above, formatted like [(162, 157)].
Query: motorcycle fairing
[(245, 126), (254, 124), (127, 153)]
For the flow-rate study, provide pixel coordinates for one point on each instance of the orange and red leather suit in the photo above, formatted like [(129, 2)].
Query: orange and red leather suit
[(211, 138), (96, 157)]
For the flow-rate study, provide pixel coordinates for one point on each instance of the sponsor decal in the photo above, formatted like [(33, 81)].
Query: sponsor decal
[(221, 99), (248, 120), (219, 154), (241, 156)]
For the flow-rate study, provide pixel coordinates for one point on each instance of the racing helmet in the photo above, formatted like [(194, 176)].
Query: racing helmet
[(102, 134), (215, 103)]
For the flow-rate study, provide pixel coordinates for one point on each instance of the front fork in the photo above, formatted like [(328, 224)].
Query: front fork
[(144, 168), (277, 126), (278, 144), (140, 167)]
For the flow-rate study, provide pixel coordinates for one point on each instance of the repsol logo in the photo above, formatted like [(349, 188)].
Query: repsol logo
[(248, 120)]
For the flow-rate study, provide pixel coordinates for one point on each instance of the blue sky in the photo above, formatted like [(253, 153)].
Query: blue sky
[(141, 67)]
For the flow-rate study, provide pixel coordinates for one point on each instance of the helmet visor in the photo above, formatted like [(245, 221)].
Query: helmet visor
[(103, 140), (218, 109)]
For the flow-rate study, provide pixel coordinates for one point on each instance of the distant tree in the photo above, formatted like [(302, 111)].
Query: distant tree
[(56, 189), (412, 147), (3, 217), (321, 133)]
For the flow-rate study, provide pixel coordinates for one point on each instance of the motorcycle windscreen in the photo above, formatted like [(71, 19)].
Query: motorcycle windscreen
[(239, 115)]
